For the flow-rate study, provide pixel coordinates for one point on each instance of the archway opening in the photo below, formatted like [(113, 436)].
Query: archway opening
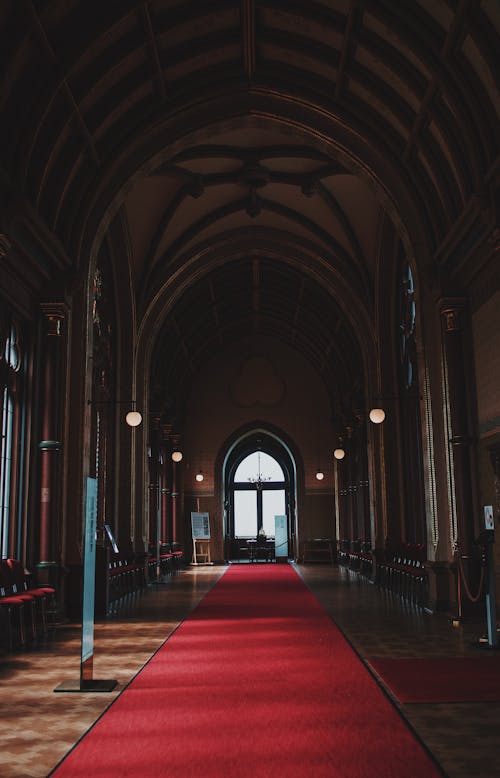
[(259, 485)]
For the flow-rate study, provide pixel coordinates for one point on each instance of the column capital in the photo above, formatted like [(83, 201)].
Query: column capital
[(54, 316), (451, 309)]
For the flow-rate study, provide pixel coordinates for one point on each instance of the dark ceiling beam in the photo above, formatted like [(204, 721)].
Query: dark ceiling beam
[(413, 29), (425, 115), (177, 369), (458, 30), (52, 59), (354, 17), (343, 259), (452, 41), (243, 174), (145, 19), (254, 153), (348, 230), (247, 12)]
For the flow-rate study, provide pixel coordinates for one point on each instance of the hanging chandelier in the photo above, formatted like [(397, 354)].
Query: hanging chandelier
[(259, 480)]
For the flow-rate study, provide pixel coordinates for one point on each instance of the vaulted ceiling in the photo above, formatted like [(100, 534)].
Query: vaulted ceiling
[(253, 150)]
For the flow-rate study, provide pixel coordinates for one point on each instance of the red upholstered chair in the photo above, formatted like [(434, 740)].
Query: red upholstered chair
[(13, 598), (178, 555), (35, 598), (12, 616), (43, 595)]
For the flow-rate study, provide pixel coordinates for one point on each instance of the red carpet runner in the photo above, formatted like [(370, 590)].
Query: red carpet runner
[(257, 682)]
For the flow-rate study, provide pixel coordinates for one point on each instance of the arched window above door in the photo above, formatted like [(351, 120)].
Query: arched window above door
[(258, 466)]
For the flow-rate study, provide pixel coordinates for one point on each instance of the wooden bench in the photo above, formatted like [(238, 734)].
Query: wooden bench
[(119, 577), (403, 572), (356, 555)]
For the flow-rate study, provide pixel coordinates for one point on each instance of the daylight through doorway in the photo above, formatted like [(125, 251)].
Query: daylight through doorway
[(259, 495)]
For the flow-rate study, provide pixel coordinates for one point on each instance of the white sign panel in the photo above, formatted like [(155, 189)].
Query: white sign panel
[(280, 536), (488, 517), (200, 525), (89, 554)]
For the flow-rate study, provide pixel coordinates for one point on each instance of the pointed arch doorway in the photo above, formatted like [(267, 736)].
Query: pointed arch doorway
[(259, 484)]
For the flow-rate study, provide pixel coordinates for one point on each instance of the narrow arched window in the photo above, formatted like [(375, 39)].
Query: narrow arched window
[(407, 327), (409, 394), (11, 366)]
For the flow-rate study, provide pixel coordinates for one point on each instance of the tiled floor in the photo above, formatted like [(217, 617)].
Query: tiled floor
[(39, 726), (463, 737)]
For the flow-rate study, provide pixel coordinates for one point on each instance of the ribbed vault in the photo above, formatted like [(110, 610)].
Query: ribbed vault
[(188, 120)]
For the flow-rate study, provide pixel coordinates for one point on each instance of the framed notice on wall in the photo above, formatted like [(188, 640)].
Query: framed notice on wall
[(200, 525)]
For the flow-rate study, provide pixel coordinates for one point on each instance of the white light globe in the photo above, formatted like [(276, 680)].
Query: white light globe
[(133, 418), (199, 476), (320, 475), (339, 453), (176, 456), (377, 415)]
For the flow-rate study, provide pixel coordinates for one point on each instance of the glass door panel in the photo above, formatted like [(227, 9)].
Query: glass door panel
[(273, 504), (245, 514)]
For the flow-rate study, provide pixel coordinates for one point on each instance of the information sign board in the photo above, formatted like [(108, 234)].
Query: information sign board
[(280, 536), (89, 556), (200, 525)]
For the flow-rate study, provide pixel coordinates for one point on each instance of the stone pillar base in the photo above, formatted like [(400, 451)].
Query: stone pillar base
[(442, 593), (48, 574)]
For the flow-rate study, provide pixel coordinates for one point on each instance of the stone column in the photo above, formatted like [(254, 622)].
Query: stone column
[(52, 393), (165, 499), (351, 517), (494, 452), (459, 437), (341, 497), (174, 495), (361, 478), (177, 533)]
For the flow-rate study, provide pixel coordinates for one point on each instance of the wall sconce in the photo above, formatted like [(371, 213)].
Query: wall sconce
[(377, 415), (133, 418), (176, 452), (339, 452), (199, 476), (320, 474)]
